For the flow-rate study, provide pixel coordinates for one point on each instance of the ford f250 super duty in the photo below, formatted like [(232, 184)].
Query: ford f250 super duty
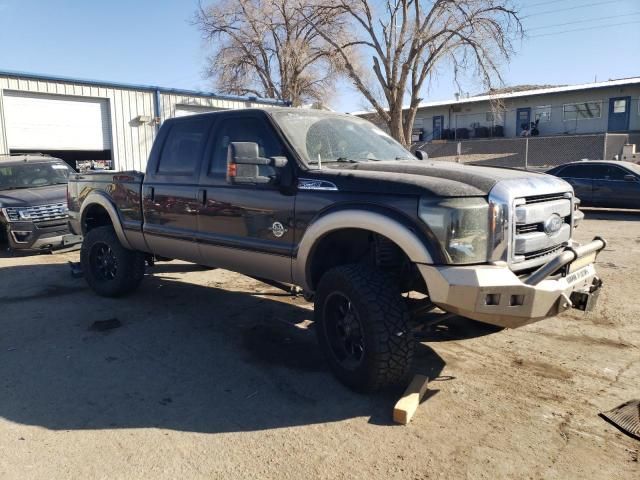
[(333, 205)]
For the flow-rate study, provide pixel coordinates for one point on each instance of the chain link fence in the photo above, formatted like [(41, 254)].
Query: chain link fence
[(529, 153)]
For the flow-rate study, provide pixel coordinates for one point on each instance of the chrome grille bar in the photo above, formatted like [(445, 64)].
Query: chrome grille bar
[(38, 213)]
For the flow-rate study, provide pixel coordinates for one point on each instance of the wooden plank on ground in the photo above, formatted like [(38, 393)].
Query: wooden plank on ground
[(408, 403)]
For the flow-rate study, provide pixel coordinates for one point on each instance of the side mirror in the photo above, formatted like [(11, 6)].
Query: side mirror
[(630, 178), (421, 155), (246, 166)]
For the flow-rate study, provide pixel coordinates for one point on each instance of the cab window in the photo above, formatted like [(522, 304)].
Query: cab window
[(244, 129), (184, 147)]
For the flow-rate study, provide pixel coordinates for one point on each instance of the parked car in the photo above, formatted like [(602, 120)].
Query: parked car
[(332, 204), (33, 202), (603, 183)]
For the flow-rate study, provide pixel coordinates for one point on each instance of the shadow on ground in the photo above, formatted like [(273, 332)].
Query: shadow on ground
[(186, 357)]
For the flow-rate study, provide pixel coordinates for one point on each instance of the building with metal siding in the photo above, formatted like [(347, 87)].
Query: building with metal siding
[(91, 120)]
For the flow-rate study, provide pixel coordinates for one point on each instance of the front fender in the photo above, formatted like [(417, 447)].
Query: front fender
[(102, 199), (415, 249)]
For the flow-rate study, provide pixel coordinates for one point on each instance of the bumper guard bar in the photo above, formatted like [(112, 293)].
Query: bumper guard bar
[(565, 258)]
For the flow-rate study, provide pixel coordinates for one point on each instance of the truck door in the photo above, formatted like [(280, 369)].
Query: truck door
[(246, 228), (170, 190)]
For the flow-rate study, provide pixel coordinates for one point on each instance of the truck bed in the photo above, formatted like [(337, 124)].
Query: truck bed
[(124, 189)]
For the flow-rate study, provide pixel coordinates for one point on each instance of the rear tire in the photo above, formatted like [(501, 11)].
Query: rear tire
[(362, 327), (110, 269)]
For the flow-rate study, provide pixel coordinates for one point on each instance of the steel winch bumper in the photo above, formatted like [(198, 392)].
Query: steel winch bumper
[(496, 295)]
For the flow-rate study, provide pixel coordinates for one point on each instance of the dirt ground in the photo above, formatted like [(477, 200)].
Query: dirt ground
[(214, 375)]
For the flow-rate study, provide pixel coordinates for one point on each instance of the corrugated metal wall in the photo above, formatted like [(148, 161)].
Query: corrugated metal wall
[(169, 101), (131, 140)]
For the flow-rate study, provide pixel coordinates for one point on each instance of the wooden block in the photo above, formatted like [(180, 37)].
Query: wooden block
[(408, 404)]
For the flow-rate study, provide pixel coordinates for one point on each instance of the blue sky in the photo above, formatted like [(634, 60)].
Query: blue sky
[(152, 42)]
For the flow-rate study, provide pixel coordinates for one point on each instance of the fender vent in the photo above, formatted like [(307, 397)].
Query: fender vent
[(388, 254)]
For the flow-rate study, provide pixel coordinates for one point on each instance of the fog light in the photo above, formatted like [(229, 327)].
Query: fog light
[(516, 300), (21, 237), (492, 299)]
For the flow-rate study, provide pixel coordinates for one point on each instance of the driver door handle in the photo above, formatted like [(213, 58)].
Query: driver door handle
[(202, 196), (149, 193)]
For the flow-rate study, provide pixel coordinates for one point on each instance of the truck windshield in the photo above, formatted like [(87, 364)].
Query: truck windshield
[(322, 137), (32, 175)]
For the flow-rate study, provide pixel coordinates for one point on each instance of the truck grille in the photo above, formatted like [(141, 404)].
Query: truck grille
[(542, 228), (39, 213)]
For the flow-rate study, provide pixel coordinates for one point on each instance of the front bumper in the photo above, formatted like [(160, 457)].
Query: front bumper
[(494, 294), (36, 236)]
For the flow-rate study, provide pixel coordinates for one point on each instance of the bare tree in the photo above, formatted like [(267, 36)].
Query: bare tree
[(409, 40), (267, 48)]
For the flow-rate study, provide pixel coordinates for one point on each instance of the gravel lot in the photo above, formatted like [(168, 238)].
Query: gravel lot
[(214, 375)]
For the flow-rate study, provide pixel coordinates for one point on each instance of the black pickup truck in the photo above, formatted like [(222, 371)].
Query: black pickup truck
[(333, 205)]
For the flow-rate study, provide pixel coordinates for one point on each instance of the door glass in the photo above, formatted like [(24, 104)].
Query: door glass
[(244, 130), (584, 171), (184, 147), (616, 173), (619, 106)]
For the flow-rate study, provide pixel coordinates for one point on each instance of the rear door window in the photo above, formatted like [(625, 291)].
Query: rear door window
[(184, 147), (584, 171)]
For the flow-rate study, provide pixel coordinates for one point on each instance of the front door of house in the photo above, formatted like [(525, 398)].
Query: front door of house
[(619, 108), (523, 120), (437, 127)]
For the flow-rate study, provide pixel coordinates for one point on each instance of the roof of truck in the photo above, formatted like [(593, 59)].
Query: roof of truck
[(28, 157)]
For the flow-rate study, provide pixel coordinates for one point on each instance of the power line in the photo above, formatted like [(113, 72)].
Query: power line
[(546, 12), (583, 21), (530, 5), (583, 29)]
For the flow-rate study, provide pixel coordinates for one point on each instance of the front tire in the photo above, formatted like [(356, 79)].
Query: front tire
[(110, 269), (362, 327)]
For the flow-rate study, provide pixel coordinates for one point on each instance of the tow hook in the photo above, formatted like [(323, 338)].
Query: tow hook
[(586, 301)]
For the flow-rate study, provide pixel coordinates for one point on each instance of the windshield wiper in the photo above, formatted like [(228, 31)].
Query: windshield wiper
[(20, 187), (344, 160)]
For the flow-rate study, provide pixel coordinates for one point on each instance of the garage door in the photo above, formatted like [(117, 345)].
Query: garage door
[(184, 110), (55, 122)]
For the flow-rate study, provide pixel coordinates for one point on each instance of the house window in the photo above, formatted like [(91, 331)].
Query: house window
[(542, 114), (493, 117), (581, 111), (620, 106)]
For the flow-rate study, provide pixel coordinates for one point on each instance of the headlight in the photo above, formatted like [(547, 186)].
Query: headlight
[(461, 225)]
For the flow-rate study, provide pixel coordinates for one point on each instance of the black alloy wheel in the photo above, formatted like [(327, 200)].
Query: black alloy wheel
[(344, 331), (104, 261)]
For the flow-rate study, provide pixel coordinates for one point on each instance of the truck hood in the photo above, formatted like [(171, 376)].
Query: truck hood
[(27, 197), (408, 176)]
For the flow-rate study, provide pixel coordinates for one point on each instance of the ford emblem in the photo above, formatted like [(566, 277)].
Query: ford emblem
[(553, 224)]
